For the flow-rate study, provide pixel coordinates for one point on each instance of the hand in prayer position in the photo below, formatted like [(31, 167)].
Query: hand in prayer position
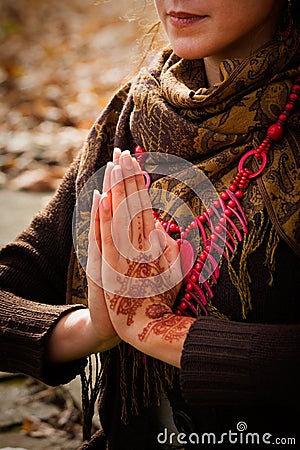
[(140, 270)]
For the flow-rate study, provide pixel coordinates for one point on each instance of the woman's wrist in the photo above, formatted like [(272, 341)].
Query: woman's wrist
[(74, 337), (158, 332)]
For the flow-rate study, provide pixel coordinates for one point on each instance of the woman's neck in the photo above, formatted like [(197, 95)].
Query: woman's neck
[(241, 50), (212, 69)]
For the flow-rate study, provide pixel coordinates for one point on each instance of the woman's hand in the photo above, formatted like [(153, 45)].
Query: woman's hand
[(141, 270), (105, 334), (100, 322), (86, 331)]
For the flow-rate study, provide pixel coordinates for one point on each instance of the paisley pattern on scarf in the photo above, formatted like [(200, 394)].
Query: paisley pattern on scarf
[(214, 127), (169, 109)]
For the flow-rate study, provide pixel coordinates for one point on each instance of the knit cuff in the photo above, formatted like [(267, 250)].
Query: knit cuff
[(24, 330), (215, 363), (225, 362)]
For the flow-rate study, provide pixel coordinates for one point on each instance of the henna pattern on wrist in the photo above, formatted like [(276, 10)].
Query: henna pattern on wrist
[(170, 327)]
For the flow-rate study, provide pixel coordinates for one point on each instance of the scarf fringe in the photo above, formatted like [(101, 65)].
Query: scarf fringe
[(240, 277), (156, 377), (91, 384), (270, 262)]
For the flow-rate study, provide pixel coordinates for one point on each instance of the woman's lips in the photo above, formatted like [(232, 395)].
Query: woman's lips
[(183, 19)]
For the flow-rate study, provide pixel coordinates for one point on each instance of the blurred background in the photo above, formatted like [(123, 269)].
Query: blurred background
[(60, 62)]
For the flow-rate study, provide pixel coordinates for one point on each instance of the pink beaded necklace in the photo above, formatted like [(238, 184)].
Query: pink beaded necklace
[(229, 224)]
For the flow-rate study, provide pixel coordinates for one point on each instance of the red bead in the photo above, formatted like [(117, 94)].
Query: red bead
[(218, 229), (178, 312), (227, 212), (194, 279), (207, 249), (267, 143), (289, 106), (173, 227), (238, 194), (189, 287), (213, 238), (294, 97), (198, 267), (224, 196), (210, 211), (184, 235), (232, 204), (138, 150), (187, 296), (217, 203), (275, 132), (193, 225), (165, 224), (202, 218), (203, 257), (223, 220), (183, 305), (296, 88), (282, 117), (232, 187)]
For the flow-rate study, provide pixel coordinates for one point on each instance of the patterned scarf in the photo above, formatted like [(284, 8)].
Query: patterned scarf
[(169, 109)]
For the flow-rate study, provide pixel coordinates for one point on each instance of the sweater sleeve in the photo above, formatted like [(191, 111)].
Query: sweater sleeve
[(24, 330), (33, 277), (225, 363)]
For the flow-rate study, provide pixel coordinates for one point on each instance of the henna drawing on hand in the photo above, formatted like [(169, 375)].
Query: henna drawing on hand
[(170, 327), (130, 296), (156, 310), (126, 306)]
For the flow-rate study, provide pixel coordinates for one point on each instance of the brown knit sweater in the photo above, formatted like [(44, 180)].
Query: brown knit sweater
[(231, 370)]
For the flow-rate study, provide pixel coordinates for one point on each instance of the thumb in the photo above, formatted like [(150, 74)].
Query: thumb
[(171, 250)]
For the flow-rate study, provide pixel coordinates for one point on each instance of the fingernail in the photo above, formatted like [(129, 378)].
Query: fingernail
[(116, 153), (104, 201), (126, 159), (116, 174), (95, 193)]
